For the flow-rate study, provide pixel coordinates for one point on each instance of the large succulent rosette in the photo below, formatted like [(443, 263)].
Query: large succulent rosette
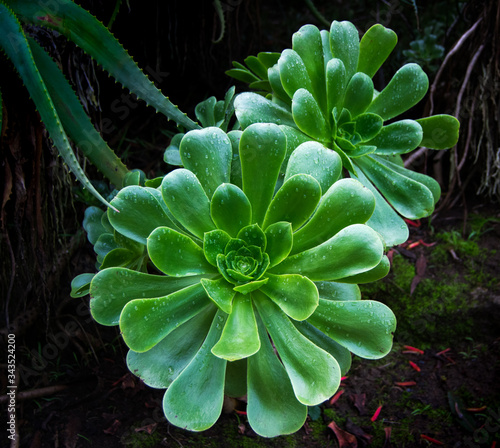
[(322, 90), (252, 288)]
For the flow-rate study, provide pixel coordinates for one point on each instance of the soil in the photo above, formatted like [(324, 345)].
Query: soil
[(438, 387)]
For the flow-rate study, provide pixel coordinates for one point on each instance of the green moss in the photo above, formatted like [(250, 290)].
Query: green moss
[(141, 439)]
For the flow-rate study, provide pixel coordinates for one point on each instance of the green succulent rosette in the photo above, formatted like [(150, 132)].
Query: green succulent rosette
[(322, 90), (253, 289)]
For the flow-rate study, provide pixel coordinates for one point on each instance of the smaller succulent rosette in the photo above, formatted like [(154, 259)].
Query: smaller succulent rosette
[(253, 287), (322, 90)]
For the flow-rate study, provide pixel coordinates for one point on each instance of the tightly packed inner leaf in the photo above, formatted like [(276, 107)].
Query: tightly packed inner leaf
[(235, 270)]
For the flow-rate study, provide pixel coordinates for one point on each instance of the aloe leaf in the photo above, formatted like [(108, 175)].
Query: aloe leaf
[(261, 142), (14, 44), (270, 392), (314, 373), (409, 197), (340, 353), (296, 295), (279, 242), (240, 337), (221, 292), (384, 219), (111, 289), (194, 399), (308, 45), (364, 327), (187, 200), (316, 160), (358, 94), (338, 291), (336, 82), (440, 131), (293, 72), (176, 254), (308, 116), (353, 250), (294, 202), (406, 88), (142, 210), (344, 43), (399, 137), (230, 209), (375, 47), (160, 365), (346, 202), (145, 322), (253, 108), (208, 154), (94, 38), (75, 121)]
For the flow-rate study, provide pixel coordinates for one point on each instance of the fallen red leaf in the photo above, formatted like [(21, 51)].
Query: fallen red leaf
[(481, 409), (406, 383), (414, 366), (430, 439), (334, 399), (346, 439), (416, 223), (376, 414), (413, 349), (427, 244)]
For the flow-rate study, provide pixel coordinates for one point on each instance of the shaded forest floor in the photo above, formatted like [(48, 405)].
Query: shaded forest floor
[(439, 385)]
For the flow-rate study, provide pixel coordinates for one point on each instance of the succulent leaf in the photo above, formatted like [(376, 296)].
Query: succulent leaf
[(326, 166), (240, 337), (208, 154), (374, 48), (294, 202), (160, 365), (145, 322), (406, 88), (440, 131), (298, 354), (364, 327), (257, 142), (269, 392), (194, 399)]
